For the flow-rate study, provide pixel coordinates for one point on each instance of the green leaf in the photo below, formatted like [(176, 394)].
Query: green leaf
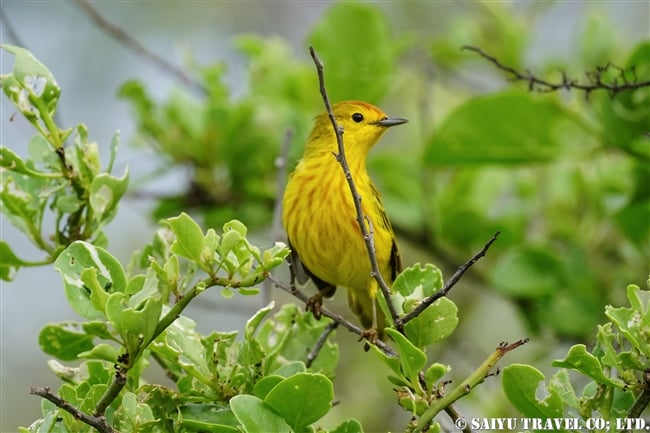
[(434, 373), (137, 322), (189, 237), (64, 340), (73, 262), (520, 386), (411, 359), (509, 127), (9, 263), (105, 194), (529, 272), (36, 84), (355, 69), (102, 351), (579, 359), (266, 384), (301, 399), (253, 323), (435, 323), (208, 417), (348, 426), (422, 280), (132, 415), (257, 417)]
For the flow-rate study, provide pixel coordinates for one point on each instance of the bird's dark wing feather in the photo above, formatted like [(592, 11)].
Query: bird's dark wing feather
[(303, 274)]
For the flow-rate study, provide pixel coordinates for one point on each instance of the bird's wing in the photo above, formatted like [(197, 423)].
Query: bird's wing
[(395, 261), (303, 274)]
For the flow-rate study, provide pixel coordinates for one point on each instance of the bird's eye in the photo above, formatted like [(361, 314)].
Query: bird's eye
[(357, 117)]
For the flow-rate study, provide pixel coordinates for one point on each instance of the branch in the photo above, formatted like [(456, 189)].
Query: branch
[(134, 45), (293, 290), (97, 422), (119, 380), (468, 384), (361, 218), (449, 283), (313, 353), (281, 163), (595, 77)]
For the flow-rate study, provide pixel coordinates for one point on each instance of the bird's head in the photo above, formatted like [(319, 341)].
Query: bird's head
[(362, 125)]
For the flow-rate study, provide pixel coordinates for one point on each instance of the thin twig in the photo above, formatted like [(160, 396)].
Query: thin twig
[(97, 422), (293, 290), (595, 78), (361, 218), (134, 45), (449, 283), (281, 164), (313, 353)]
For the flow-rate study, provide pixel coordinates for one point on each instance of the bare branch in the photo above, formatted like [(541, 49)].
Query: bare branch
[(97, 422), (134, 45), (361, 218), (595, 77), (293, 290), (281, 164), (313, 353), (449, 283)]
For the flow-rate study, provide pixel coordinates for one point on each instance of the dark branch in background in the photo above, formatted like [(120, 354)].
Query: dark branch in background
[(134, 45), (97, 422), (281, 164), (293, 290), (449, 283), (361, 218), (12, 34), (596, 79), (313, 353)]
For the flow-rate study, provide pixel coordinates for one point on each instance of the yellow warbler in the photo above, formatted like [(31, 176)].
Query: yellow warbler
[(320, 219)]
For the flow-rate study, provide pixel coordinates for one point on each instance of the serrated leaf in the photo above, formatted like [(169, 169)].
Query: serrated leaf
[(301, 399)]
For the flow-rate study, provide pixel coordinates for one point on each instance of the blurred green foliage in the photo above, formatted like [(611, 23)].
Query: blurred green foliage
[(564, 176)]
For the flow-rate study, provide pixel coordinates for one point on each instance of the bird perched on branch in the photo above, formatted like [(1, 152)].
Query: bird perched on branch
[(320, 219)]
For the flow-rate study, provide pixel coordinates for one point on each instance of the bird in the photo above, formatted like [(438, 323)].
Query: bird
[(319, 216)]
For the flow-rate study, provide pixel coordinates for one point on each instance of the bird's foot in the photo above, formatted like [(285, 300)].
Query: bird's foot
[(371, 336), (313, 304)]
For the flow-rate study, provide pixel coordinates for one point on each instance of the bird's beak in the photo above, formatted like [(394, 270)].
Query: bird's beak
[(390, 121)]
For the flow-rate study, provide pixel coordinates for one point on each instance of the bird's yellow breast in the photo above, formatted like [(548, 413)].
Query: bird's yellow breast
[(320, 219)]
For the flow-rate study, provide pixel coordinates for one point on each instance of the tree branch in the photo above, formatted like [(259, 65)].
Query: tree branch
[(449, 283), (97, 422), (360, 217), (468, 384), (293, 290), (313, 353), (596, 79)]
